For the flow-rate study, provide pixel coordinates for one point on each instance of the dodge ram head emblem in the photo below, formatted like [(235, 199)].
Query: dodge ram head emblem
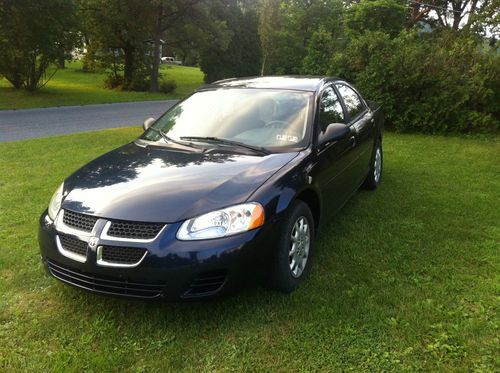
[(93, 242)]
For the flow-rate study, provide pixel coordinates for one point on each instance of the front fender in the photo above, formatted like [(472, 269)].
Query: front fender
[(279, 191)]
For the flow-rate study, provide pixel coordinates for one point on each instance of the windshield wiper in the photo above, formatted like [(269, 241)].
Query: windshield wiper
[(217, 140), (169, 139)]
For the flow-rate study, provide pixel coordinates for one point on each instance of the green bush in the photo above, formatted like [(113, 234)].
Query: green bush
[(113, 81), (167, 86), (440, 82), (138, 83)]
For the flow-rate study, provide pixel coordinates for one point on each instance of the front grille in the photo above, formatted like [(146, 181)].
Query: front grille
[(73, 245), (106, 285), (79, 221), (122, 255), (206, 283), (134, 230)]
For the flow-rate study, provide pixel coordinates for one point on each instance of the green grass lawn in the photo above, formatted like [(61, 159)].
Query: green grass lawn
[(71, 86), (405, 278)]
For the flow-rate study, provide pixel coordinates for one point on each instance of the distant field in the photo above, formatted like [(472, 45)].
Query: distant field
[(405, 278), (71, 86)]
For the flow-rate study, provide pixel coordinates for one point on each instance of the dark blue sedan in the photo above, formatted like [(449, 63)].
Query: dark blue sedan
[(230, 184)]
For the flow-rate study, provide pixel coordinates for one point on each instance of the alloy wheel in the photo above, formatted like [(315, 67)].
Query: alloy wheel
[(299, 246), (377, 169)]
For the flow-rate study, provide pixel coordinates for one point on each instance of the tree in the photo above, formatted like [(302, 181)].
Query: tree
[(269, 19), (139, 30), (480, 15), (286, 27), (457, 13), (120, 33), (319, 52), (33, 35), (241, 54), (386, 15), (170, 16), (486, 18)]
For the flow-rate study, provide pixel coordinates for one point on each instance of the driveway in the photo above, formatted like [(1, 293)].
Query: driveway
[(30, 123)]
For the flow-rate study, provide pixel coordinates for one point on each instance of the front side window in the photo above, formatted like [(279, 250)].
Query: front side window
[(258, 117), (352, 101), (330, 110)]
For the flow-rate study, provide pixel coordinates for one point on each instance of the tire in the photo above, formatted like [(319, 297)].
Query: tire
[(300, 223), (375, 174)]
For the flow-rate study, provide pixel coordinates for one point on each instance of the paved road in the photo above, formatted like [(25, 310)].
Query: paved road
[(29, 123)]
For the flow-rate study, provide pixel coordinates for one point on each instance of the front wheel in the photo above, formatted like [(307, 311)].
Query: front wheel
[(375, 174), (292, 260)]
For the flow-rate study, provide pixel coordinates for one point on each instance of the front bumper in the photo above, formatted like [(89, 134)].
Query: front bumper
[(170, 269)]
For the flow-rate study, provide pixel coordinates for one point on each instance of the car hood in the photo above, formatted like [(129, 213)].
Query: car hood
[(155, 184)]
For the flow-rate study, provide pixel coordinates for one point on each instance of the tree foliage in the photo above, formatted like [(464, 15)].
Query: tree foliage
[(424, 61), (126, 37), (289, 26), (171, 17), (433, 64), (319, 52), (33, 35), (119, 38), (241, 55), (433, 83), (373, 15)]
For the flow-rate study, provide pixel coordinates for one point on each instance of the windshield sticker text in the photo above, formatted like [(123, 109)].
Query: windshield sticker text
[(288, 138)]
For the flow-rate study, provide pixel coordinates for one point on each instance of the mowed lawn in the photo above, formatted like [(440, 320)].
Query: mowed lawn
[(72, 86), (405, 278)]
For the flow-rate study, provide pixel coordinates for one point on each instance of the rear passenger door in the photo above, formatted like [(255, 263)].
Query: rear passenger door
[(361, 122)]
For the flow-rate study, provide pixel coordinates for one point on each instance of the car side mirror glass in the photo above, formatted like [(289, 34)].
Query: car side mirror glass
[(334, 132), (147, 123)]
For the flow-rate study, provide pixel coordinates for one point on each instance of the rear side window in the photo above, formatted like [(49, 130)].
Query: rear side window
[(352, 101), (330, 110)]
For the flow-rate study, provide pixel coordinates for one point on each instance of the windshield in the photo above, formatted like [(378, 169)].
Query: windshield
[(263, 118)]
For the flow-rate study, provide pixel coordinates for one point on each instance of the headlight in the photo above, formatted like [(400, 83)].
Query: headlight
[(222, 223), (55, 202)]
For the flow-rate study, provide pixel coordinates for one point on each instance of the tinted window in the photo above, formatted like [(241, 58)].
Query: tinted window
[(330, 109), (352, 101)]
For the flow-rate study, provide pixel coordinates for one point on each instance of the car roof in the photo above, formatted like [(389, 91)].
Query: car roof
[(295, 82)]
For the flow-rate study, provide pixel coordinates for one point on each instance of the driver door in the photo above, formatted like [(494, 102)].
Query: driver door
[(335, 159)]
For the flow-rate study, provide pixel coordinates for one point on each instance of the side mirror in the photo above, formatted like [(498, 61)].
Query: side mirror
[(147, 123), (334, 132)]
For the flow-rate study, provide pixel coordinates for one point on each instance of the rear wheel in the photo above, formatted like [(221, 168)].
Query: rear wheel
[(292, 261), (375, 174)]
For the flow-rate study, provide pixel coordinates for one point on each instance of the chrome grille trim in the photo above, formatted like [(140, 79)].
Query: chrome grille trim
[(63, 228), (99, 238)]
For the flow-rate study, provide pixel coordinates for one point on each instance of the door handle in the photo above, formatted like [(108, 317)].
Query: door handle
[(352, 141)]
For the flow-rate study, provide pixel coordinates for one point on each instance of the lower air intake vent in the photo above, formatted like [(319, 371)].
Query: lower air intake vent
[(121, 255), (207, 283), (106, 285)]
